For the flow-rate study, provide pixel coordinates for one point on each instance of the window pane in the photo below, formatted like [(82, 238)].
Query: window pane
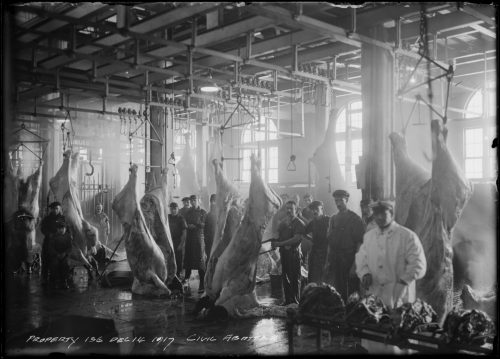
[(341, 151), (245, 176), (474, 168), (357, 151), (273, 176), (475, 105), (356, 121), (341, 122), (273, 157), (358, 105), (473, 142), (273, 130)]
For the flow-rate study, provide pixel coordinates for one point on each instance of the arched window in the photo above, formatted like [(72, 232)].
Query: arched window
[(349, 144), (479, 159), (255, 137)]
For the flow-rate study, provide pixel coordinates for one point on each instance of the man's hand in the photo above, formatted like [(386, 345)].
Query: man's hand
[(367, 280), (274, 244), (191, 226)]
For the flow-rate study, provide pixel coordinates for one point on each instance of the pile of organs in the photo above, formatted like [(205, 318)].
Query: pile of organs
[(410, 326)]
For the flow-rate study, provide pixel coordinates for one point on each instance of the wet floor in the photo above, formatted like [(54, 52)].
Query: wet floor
[(115, 321)]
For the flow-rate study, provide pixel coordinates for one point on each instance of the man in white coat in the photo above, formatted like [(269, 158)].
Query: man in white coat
[(388, 263), (390, 259)]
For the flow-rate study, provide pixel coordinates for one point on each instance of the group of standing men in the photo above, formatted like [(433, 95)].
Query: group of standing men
[(57, 245), (372, 254), (193, 231)]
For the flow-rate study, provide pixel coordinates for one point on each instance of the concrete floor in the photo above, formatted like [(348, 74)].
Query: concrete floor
[(114, 321)]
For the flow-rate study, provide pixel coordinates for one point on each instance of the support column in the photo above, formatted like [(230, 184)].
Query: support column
[(7, 85), (378, 97)]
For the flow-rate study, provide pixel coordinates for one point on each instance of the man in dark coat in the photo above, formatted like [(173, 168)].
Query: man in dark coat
[(195, 257), (59, 250), (48, 228), (210, 223), (290, 231), (318, 227), (178, 229), (345, 236)]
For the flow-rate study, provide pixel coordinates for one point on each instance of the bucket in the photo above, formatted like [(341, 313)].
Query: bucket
[(80, 277)]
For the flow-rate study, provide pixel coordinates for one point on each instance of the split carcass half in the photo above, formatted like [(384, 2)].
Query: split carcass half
[(432, 213), (187, 173), (64, 187), (22, 223), (327, 165), (143, 254), (234, 277), (226, 193), (154, 206)]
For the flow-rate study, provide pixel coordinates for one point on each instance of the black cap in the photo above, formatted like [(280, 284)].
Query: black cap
[(382, 205), (173, 205), (315, 204), (365, 202), (54, 204), (340, 193), (193, 196), (185, 199)]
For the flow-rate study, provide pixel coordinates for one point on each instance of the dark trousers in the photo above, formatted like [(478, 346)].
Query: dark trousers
[(340, 266), (45, 259), (179, 259), (59, 270), (290, 274)]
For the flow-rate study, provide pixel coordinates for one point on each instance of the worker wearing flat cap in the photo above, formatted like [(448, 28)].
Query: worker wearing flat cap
[(48, 229), (186, 205), (318, 228), (178, 230), (194, 255), (345, 235), (390, 259)]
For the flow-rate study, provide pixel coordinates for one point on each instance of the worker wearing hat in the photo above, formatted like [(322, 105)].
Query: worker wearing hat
[(186, 206), (345, 235), (318, 229), (367, 214), (390, 259), (178, 230), (59, 250), (48, 229), (388, 263), (194, 255)]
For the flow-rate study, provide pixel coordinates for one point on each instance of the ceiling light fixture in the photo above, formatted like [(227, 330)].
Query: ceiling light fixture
[(211, 87)]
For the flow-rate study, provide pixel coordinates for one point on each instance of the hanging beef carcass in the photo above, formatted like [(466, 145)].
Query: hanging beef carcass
[(431, 209), (143, 254), (21, 225), (234, 277), (225, 225), (154, 206), (187, 173), (64, 187), (327, 164)]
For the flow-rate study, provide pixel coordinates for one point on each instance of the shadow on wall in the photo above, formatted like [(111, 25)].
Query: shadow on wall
[(474, 239)]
